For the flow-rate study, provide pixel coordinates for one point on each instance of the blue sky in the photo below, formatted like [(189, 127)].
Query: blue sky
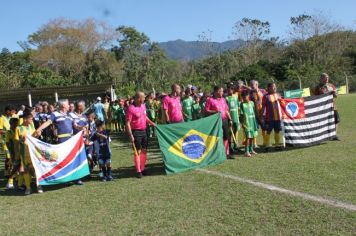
[(164, 20)]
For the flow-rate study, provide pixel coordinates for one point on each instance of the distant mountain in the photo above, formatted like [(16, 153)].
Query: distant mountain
[(195, 50)]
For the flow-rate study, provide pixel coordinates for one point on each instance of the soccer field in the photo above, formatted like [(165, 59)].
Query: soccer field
[(202, 203)]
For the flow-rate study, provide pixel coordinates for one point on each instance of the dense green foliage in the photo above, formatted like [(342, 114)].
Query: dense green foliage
[(65, 52)]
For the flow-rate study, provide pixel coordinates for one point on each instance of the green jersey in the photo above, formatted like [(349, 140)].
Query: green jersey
[(249, 123), (151, 113), (187, 108), (122, 115), (197, 111), (114, 110), (233, 103)]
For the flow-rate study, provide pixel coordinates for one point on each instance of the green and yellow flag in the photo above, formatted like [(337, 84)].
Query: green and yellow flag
[(191, 145)]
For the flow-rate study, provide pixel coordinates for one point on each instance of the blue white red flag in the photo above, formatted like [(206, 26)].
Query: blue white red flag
[(61, 163)]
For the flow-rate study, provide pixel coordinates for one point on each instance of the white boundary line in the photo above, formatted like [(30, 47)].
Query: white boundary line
[(326, 201)]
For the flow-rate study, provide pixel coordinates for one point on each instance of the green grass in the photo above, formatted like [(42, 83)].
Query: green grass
[(196, 203)]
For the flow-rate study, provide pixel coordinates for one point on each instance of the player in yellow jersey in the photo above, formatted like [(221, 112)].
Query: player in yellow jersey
[(13, 161), (22, 150), (4, 127)]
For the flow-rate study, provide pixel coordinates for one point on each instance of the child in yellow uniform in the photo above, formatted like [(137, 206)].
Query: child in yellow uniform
[(13, 161), (22, 150), (4, 127)]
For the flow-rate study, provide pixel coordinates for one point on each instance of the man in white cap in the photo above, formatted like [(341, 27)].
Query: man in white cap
[(98, 108)]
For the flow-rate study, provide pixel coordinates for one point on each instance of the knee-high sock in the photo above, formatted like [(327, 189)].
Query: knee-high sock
[(226, 145), (244, 138), (255, 141), (20, 180), (143, 158), (10, 180), (268, 140), (137, 161), (103, 169), (108, 168), (277, 138), (264, 136), (27, 178), (237, 138)]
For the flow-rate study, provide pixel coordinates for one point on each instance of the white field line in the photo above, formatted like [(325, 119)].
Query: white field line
[(306, 196)]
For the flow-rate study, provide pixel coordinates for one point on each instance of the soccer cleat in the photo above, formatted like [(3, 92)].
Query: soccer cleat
[(28, 191), (103, 179), (101, 175), (39, 189), (79, 182), (9, 186), (139, 175), (145, 173), (253, 152), (109, 178), (247, 154)]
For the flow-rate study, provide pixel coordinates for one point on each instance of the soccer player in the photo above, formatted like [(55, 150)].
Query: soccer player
[(249, 123), (256, 96), (196, 108), (172, 106), (107, 113), (89, 145), (79, 118), (151, 113), (234, 104), (136, 124), (122, 115), (272, 114), (21, 148), (114, 110), (4, 127), (187, 106), (217, 104), (104, 153), (98, 108), (13, 161), (325, 87)]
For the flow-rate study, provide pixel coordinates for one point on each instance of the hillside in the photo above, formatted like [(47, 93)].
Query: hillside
[(193, 50)]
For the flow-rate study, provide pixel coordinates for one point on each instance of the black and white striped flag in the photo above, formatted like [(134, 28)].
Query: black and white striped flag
[(316, 125)]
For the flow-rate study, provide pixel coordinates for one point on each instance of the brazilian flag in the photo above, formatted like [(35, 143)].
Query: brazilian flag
[(191, 145)]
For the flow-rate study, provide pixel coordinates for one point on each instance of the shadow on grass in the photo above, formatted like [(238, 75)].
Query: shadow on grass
[(152, 169)]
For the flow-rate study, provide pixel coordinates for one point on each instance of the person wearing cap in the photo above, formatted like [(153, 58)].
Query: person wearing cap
[(99, 110), (324, 87), (172, 106), (194, 91)]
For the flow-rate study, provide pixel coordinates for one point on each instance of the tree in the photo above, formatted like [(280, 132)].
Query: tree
[(252, 32), (66, 46)]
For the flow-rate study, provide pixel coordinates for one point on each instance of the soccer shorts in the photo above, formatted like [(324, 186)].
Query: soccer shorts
[(273, 125), (141, 141)]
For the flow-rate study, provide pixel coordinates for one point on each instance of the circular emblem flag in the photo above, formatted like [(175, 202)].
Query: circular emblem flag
[(193, 146), (292, 109)]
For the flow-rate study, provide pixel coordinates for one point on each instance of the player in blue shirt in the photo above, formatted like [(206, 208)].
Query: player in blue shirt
[(102, 137), (99, 110)]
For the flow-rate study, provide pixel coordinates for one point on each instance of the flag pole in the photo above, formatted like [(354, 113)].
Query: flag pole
[(136, 155), (233, 135)]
